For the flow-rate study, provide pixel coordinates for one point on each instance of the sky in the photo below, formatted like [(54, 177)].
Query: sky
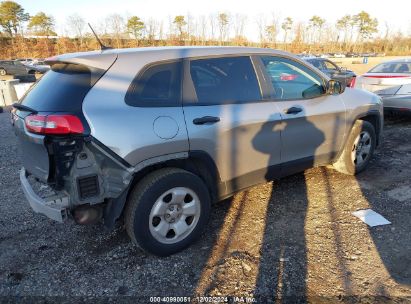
[(396, 14)]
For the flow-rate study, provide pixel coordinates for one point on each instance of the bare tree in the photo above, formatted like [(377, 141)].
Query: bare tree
[(189, 26), (116, 26), (213, 26), (152, 29), (203, 28), (161, 30), (77, 26), (262, 26), (239, 25), (299, 33)]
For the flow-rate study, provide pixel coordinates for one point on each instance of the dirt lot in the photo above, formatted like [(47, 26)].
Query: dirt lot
[(294, 240)]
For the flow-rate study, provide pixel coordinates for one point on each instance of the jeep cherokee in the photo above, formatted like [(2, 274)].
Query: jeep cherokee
[(155, 135)]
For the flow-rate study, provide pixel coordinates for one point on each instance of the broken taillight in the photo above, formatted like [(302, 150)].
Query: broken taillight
[(54, 124)]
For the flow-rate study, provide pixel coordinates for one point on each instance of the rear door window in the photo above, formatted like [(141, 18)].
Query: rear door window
[(157, 85), (224, 80)]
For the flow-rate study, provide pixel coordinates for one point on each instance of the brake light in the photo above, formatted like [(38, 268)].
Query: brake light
[(352, 82), (54, 124)]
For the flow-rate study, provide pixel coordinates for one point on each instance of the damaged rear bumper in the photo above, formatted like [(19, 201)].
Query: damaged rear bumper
[(55, 208)]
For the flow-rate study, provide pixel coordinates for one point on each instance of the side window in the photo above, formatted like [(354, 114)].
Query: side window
[(224, 80), (159, 85), (292, 80)]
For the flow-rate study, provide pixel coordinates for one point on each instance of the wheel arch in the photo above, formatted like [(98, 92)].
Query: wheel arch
[(374, 118), (198, 162)]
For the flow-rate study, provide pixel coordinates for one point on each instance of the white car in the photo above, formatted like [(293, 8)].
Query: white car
[(339, 55), (392, 82)]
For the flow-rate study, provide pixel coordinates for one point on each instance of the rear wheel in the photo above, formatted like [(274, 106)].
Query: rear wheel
[(358, 150), (3, 72), (167, 211)]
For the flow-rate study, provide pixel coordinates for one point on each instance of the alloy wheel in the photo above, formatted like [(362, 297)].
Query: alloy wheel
[(174, 215)]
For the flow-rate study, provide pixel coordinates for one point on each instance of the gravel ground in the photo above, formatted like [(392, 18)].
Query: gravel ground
[(294, 240)]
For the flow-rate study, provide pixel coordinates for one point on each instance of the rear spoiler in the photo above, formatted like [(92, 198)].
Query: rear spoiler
[(95, 60)]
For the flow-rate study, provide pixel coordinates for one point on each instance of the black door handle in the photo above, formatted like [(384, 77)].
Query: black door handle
[(206, 119), (293, 110)]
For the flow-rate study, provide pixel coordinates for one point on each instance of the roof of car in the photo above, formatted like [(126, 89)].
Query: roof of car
[(180, 51), (103, 59)]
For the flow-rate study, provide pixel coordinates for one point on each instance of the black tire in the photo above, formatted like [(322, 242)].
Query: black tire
[(345, 164), (3, 72), (142, 199)]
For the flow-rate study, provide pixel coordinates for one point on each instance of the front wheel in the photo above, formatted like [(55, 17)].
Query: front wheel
[(167, 211), (3, 72), (358, 150)]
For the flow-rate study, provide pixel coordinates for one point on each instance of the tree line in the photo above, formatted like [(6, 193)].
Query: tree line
[(22, 35)]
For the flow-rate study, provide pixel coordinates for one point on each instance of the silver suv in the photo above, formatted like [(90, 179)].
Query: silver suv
[(155, 135)]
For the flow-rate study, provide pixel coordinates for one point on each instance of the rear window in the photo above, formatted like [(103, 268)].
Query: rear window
[(393, 67), (317, 63), (62, 89)]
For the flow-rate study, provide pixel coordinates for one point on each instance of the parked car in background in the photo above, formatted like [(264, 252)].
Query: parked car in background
[(25, 60), (326, 55), (13, 67), (370, 54), (352, 55), (157, 134), (339, 55), (392, 81), (38, 66), (334, 71)]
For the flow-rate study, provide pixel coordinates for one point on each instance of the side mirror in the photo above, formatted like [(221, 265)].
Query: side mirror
[(343, 69), (334, 87)]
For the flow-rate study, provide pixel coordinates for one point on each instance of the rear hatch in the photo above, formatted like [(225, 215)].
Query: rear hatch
[(384, 84), (49, 116)]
